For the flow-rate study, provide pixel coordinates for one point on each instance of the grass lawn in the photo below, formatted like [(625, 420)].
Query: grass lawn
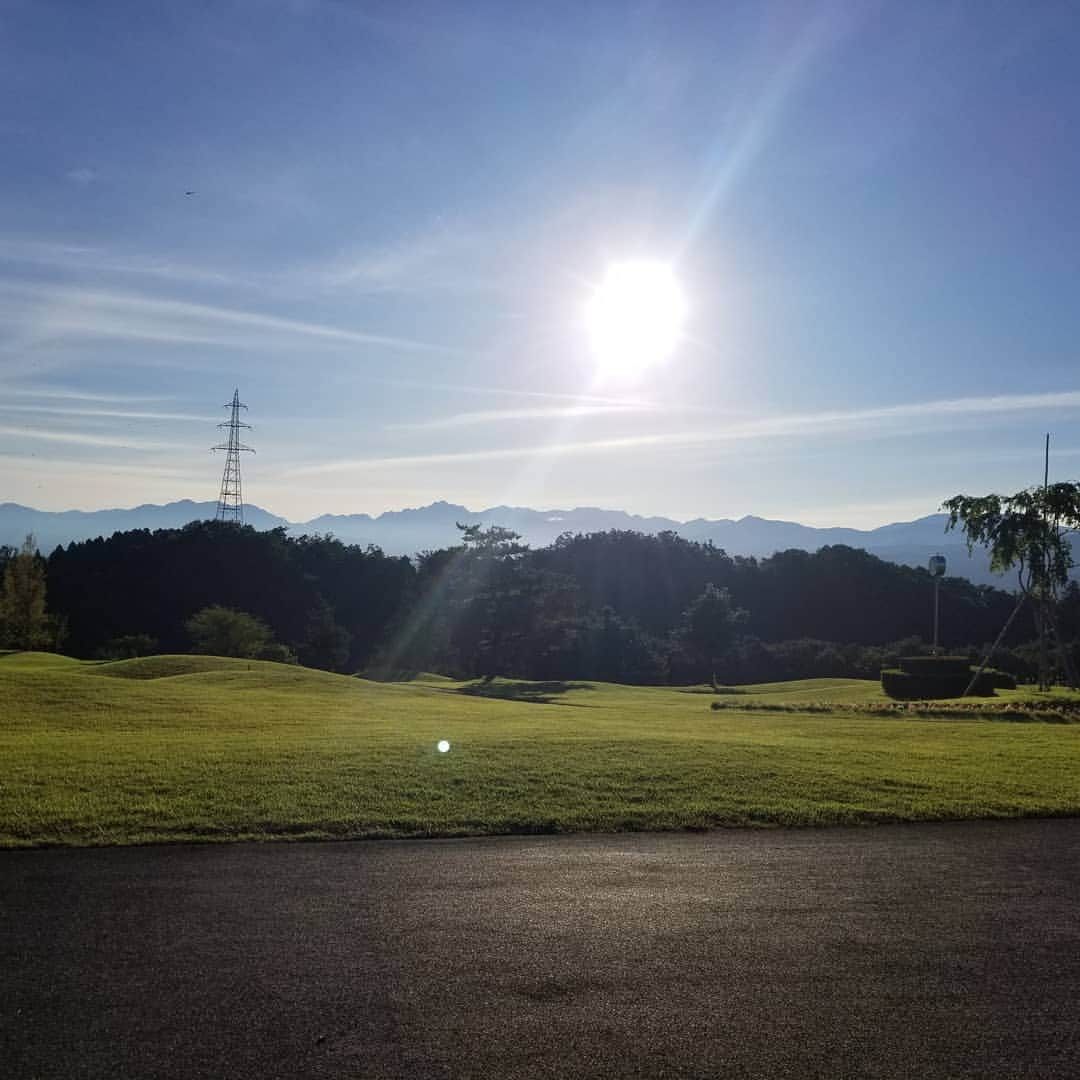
[(203, 748)]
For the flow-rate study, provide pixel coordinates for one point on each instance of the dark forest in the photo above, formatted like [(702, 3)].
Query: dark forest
[(614, 606)]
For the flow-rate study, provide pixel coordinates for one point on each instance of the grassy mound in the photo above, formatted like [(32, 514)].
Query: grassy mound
[(167, 666), (831, 690), (39, 662), (184, 748)]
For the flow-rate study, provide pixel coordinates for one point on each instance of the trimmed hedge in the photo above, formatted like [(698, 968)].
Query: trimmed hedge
[(926, 677), (935, 665), (908, 687), (1002, 680)]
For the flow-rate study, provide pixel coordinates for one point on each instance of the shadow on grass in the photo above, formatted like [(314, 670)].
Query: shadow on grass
[(538, 693), (399, 674)]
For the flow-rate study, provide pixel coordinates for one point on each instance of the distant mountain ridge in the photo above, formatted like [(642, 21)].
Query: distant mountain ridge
[(52, 528), (405, 532)]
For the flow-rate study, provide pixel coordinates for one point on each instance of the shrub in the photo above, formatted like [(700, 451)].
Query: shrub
[(1000, 680), (127, 646), (948, 684), (278, 653), (935, 665), (221, 631)]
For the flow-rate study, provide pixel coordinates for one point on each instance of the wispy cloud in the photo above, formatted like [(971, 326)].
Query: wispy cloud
[(510, 392), (76, 466), (55, 393), (971, 406), (803, 424), (422, 261), (82, 438), (108, 414), (75, 258), (66, 312), (455, 458), (495, 416), (445, 258)]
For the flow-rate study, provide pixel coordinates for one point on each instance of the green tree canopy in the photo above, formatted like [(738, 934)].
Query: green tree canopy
[(24, 622), (127, 646), (710, 625), (221, 631), (1028, 530), (325, 643), (502, 607)]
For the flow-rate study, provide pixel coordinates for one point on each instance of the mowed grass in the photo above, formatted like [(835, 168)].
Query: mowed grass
[(202, 748)]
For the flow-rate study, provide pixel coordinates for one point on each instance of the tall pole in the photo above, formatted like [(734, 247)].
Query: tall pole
[(936, 567), (1043, 614), (231, 499), (937, 593)]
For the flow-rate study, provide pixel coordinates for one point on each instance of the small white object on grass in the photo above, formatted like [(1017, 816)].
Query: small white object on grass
[(444, 746)]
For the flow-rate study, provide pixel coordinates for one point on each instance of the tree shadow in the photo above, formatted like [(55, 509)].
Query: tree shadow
[(537, 693)]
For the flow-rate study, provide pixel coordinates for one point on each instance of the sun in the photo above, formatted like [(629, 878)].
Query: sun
[(635, 317)]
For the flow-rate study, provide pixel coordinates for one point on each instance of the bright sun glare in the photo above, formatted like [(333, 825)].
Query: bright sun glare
[(635, 317)]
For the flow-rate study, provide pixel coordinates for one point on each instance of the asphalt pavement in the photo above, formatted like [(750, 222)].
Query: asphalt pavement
[(945, 950)]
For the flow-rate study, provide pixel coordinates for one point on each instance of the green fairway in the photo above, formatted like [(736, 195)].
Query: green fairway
[(183, 747)]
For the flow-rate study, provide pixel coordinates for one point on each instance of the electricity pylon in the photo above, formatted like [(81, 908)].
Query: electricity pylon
[(230, 505)]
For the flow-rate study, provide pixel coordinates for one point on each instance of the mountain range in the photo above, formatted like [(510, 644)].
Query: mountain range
[(405, 532)]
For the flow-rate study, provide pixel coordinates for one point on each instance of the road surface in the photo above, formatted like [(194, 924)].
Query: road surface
[(945, 950)]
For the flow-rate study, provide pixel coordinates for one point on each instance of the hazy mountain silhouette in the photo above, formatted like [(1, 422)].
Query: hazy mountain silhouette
[(51, 529), (404, 532)]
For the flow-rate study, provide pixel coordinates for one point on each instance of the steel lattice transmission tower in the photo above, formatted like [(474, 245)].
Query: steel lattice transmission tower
[(230, 505)]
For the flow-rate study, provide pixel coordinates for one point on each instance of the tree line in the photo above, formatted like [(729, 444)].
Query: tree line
[(615, 606)]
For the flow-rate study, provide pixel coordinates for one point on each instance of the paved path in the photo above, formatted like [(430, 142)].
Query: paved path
[(900, 951)]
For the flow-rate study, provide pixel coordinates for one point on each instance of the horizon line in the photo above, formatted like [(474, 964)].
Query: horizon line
[(487, 510)]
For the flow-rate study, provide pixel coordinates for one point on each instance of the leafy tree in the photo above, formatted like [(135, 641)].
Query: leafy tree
[(24, 622), (490, 600), (363, 589), (839, 593), (418, 637), (1028, 531), (127, 646), (325, 643), (278, 653), (503, 609), (710, 625), (606, 647), (648, 579), (155, 581), (221, 631), (490, 605)]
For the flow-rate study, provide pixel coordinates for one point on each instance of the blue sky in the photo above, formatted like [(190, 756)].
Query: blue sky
[(402, 209)]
